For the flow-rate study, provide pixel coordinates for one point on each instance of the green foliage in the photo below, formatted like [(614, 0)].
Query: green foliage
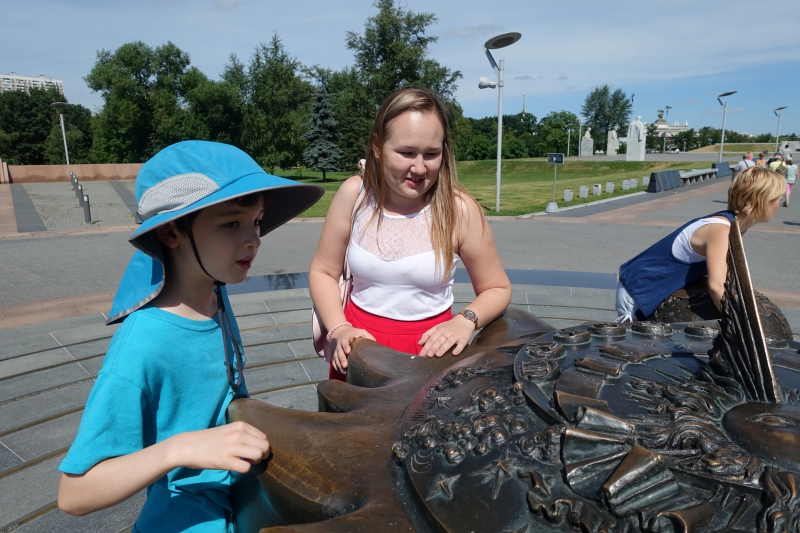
[(687, 139), (652, 141), (322, 152), (604, 110), (706, 136), (78, 126), (393, 53), (352, 109), (481, 147), (277, 100), (26, 122), (552, 134), (144, 96)]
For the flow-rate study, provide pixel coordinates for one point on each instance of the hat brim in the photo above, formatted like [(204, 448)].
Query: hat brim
[(144, 276)]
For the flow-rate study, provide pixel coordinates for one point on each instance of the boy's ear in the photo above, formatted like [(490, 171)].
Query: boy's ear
[(167, 234)]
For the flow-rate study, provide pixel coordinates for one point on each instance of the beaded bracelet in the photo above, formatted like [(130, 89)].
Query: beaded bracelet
[(329, 336)]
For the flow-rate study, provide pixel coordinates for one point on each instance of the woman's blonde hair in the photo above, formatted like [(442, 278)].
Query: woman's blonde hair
[(753, 190), (442, 196)]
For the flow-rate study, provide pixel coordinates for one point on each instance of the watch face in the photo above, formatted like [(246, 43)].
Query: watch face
[(469, 315)]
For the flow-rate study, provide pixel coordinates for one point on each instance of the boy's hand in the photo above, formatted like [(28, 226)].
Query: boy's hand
[(233, 447)]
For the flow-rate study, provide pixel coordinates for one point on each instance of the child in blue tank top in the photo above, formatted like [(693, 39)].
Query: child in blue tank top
[(646, 280), (156, 417)]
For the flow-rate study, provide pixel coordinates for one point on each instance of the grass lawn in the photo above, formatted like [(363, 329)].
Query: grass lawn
[(737, 148), (527, 184)]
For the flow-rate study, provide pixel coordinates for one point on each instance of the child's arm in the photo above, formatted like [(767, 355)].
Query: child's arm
[(230, 447), (716, 252)]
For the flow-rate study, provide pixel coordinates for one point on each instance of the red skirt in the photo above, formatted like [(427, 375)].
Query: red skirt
[(399, 335)]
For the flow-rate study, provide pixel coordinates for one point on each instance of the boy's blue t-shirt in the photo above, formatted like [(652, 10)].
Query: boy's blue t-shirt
[(163, 375)]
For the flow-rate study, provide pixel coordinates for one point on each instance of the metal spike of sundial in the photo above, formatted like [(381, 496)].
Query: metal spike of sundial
[(644, 428)]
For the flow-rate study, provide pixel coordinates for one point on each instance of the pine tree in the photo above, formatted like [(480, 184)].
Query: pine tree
[(323, 152)]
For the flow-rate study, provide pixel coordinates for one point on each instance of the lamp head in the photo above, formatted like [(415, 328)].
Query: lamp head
[(486, 83), (724, 94), (778, 109), (59, 106), (501, 41)]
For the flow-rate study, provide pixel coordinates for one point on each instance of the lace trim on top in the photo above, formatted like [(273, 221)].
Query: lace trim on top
[(400, 236)]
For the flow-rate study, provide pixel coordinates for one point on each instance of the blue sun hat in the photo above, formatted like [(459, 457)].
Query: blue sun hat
[(186, 177)]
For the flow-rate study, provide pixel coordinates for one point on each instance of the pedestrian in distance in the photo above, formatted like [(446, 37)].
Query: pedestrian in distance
[(744, 164), (791, 178)]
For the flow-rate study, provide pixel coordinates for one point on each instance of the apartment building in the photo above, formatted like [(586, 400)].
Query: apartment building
[(15, 82)]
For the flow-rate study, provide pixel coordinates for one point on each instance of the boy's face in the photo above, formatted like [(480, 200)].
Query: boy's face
[(227, 239)]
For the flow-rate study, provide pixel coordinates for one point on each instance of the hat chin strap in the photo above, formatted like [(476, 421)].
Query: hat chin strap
[(197, 256), (235, 379)]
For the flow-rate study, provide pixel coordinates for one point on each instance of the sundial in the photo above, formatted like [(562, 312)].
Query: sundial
[(650, 426)]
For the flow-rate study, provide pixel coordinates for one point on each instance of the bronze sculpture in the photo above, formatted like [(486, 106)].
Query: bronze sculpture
[(650, 427)]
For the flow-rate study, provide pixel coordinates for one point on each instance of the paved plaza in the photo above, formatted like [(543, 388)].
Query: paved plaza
[(59, 275)]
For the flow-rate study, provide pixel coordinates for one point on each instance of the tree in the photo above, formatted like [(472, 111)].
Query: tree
[(277, 99), (653, 140), (604, 110), (686, 139), (393, 53), (145, 106), (352, 109), (26, 121), (322, 152), (78, 126), (552, 133), (481, 148), (706, 136)]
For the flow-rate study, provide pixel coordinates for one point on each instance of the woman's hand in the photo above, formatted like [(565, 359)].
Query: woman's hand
[(341, 340), (454, 334)]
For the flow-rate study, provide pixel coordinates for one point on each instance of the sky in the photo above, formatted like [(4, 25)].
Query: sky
[(681, 53)]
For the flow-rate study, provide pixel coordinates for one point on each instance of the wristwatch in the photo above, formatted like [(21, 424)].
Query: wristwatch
[(470, 315)]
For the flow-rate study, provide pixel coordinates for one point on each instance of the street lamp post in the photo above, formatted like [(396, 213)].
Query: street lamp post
[(778, 134), (569, 132), (500, 41), (664, 149), (60, 107), (580, 127), (724, 116)]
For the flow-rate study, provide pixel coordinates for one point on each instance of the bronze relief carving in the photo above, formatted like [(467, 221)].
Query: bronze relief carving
[(687, 426)]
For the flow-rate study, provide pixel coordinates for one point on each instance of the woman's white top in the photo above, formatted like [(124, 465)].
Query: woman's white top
[(682, 247), (394, 272)]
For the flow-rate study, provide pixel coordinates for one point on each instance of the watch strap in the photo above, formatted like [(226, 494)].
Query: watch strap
[(470, 315)]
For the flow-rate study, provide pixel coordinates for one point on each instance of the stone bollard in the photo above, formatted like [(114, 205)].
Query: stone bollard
[(87, 211), (645, 181), (634, 183), (567, 195), (609, 187), (583, 192), (597, 189), (626, 185)]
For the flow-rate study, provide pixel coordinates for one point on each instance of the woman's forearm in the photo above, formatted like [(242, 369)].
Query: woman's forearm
[(490, 304), (327, 298)]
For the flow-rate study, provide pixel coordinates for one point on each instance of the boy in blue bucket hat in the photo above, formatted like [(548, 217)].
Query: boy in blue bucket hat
[(156, 415)]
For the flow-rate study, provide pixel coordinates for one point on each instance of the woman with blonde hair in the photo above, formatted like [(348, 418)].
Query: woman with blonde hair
[(696, 249), (404, 226)]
